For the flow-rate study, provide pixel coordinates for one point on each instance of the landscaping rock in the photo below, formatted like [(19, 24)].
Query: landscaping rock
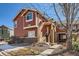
[(53, 50), (56, 47), (47, 52)]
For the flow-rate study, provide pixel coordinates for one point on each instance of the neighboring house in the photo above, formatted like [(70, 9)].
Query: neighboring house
[(60, 34), (31, 23), (4, 33)]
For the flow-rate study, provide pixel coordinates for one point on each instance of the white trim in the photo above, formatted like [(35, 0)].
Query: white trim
[(29, 20), (30, 27)]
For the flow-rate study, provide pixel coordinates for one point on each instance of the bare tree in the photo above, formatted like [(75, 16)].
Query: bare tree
[(70, 12)]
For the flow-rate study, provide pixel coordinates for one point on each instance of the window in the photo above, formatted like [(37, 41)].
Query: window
[(15, 23), (62, 36), (31, 33), (29, 16)]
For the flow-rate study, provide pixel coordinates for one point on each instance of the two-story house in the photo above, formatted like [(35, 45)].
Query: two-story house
[(4, 33), (31, 23)]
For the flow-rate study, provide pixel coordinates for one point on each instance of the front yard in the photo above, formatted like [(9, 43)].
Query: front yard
[(24, 50)]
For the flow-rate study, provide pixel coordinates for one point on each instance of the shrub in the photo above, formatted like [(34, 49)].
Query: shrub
[(75, 46)]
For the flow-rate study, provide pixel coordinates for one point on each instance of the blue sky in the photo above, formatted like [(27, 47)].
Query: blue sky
[(9, 10)]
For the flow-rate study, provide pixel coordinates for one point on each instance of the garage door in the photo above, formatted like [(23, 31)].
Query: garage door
[(31, 33)]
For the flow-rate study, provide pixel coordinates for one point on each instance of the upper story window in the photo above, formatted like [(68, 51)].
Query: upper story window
[(29, 16)]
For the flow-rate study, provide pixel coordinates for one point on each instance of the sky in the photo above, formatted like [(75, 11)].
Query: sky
[(8, 11)]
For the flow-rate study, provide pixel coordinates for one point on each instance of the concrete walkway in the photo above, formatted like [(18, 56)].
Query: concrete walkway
[(52, 50)]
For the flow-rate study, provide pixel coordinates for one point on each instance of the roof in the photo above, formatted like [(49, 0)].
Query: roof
[(59, 29), (3, 26), (47, 23), (25, 10)]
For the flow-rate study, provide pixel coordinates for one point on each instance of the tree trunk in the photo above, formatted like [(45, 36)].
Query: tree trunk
[(69, 39)]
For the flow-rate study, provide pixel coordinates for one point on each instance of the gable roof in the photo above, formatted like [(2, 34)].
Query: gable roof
[(23, 11), (3, 26)]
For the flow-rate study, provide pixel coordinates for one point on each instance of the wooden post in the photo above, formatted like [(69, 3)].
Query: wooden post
[(52, 34)]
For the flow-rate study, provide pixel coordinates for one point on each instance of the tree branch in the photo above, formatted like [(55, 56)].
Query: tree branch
[(75, 12), (58, 16)]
